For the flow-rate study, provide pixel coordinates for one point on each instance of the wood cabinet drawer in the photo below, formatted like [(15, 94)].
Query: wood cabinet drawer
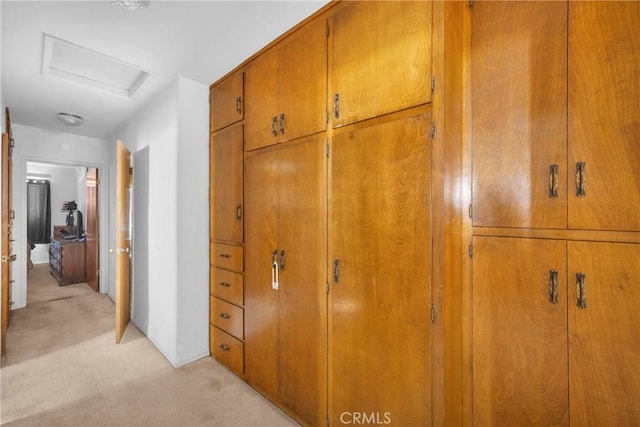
[(226, 256), (226, 349), (227, 317), (227, 285)]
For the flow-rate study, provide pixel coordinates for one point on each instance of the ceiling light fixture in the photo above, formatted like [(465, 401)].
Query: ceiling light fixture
[(135, 5), (70, 119)]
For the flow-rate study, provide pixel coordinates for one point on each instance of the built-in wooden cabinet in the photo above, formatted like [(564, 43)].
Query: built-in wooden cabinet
[(286, 88), (227, 101), (380, 58), (555, 215), (285, 278), (226, 223), (379, 246)]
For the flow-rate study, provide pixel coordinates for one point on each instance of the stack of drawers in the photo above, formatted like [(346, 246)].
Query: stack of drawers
[(226, 314)]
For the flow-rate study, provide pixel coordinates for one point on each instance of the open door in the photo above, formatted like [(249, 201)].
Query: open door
[(123, 240), (92, 261), (7, 226)]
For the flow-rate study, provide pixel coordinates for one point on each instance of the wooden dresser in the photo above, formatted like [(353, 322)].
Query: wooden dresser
[(67, 260)]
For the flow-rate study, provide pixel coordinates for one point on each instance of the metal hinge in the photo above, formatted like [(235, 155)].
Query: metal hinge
[(433, 313), (470, 250), (433, 130), (470, 211), (327, 118), (328, 151), (433, 84)]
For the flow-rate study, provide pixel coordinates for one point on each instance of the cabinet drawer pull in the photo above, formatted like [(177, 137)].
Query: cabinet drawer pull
[(225, 284), (553, 286), (238, 212), (225, 316), (225, 256), (239, 105), (224, 347), (553, 181), (581, 179), (580, 291), (274, 126)]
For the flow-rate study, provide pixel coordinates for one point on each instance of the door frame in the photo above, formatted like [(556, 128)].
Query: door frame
[(20, 297)]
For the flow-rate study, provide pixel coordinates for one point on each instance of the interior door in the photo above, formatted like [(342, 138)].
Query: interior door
[(7, 256), (123, 240), (380, 298), (92, 261)]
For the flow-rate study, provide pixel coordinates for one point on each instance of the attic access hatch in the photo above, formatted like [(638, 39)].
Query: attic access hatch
[(89, 68)]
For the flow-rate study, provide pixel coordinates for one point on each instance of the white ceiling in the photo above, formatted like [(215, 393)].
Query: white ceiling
[(201, 40)]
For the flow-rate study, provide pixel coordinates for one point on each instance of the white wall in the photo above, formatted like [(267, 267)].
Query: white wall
[(168, 139), (38, 145)]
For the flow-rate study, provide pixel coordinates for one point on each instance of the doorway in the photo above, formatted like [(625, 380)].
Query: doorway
[(63, 260)]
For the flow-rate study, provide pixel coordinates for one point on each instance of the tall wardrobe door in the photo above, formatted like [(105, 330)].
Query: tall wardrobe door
[(302, 306), (380, 58), (261, 300), (604, 336), (519, 336), (519, 130), (604, 125), (227, 171), (380, 327)]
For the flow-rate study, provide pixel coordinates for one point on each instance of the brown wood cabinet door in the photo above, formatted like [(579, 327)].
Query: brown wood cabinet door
[(604, 125), (519, 130), (227, 102), (302, 82), (261, 81), (302, 305), (604, 337), (227, 174), (520, 372), (380, 58), (260, 300), (92, 230), (379, 228)]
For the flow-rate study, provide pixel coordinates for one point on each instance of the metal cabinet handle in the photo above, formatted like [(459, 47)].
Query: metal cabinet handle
[(274, 270), (283, 127), (274, 126), (553, 286), (553, 181), (336, 105), (282, 260), (239, 212), (225, 316), (225, 256), (224, 347), (580, 291), (225, 284), (239, 105), (581, 179)]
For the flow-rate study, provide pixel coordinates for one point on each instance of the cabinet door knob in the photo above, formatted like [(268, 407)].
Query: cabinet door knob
[(119, 250)]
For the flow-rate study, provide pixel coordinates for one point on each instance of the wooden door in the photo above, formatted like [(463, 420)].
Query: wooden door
[(519, 130), (604, 100), (92, 262), (123, 240), (260, 299), (604, 336), (7, 231), (302, 82), (520, 372), (380, 58), (261, 109), (380, 234), (227, 175), (302, 295), (227, 101)]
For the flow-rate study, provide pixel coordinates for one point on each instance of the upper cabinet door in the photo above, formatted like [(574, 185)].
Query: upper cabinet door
[(226, 203), (286, 88), (227, 102), (519, 131), (604, 124), (380, 58)]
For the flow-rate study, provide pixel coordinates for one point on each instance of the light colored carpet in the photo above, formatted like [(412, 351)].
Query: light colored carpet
[(41, 286), (62, 368)]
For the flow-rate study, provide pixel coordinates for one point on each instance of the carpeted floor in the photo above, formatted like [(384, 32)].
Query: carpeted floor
[(62, 368)]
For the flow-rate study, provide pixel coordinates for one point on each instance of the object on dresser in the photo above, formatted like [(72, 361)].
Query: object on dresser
[(60, 231)]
